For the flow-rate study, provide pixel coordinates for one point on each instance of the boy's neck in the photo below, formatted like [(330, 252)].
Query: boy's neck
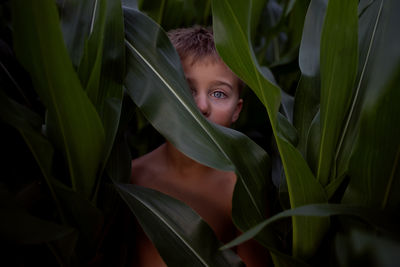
[(182, 163)]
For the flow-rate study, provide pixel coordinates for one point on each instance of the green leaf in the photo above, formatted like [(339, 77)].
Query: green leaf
[(75, 126), (374, 165), (379, 219), (90, 66), (339, 58), (308, 90), (232, 22), (112, 74), (102, 64), (76, 20), (370, 31), (156, 83), (182, 237)]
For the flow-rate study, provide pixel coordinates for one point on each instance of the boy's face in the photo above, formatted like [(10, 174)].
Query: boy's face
[(215, 90)]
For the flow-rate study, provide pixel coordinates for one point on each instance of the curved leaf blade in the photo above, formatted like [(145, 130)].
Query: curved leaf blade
[(77, 127), (232, 22), (307, 97), (76, 20), (381, 220), (96, 37), (339, 59), (156, 83), (370, 29), (175, 222)]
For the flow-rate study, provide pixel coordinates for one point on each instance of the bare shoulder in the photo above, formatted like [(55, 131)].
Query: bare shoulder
[(145, 169)]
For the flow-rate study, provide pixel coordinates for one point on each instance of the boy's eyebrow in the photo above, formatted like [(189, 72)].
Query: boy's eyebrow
[(213, 83), (219, 82)]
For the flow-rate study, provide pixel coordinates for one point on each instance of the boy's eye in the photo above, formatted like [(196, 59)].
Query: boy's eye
[(218, 94)]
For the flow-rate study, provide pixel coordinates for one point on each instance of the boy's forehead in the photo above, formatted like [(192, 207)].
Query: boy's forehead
[(190, 62), (210, 59)]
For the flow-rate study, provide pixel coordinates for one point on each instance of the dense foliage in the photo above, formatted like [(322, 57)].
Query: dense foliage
[(88, 85)]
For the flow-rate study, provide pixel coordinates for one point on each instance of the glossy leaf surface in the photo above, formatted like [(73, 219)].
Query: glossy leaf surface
[(374, 165), (156, 83), (377, 218), (339, 59), (232, 22), (179, 228), (96, 38), (77, 129), (308, 91)]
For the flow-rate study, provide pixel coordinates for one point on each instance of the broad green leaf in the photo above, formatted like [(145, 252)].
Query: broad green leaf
[(370, 31), (20, 227), (90, 65), (339, 59), (75, 125), (380, 220), (102, 64), (374, 165), (309, 54), (314, 142), (306, 106), (76, 19), (232, 22), (180, 235), (308, 91), (112, 74), (294, 17), (156, 83)]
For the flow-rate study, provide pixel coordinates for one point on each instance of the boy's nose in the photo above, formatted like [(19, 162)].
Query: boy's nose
[(202, 104)]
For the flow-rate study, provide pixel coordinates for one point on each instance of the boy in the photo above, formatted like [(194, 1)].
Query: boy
[(208, 191)]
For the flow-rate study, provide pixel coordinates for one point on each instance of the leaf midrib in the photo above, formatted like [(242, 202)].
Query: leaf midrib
[(355, 100), (161, 218)]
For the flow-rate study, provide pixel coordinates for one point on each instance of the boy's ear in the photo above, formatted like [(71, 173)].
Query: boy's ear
[(237, 110)]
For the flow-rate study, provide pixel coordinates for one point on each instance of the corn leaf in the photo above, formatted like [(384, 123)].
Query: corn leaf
[(380, 220), (374, 164), (156, 83), (179, 228), (370, 31), (96, 38), (75, 126), (339, 59), (76, 20), (231, 27), (308, 91)]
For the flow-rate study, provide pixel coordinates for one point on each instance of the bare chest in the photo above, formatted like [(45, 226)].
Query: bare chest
[(210, 197)]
